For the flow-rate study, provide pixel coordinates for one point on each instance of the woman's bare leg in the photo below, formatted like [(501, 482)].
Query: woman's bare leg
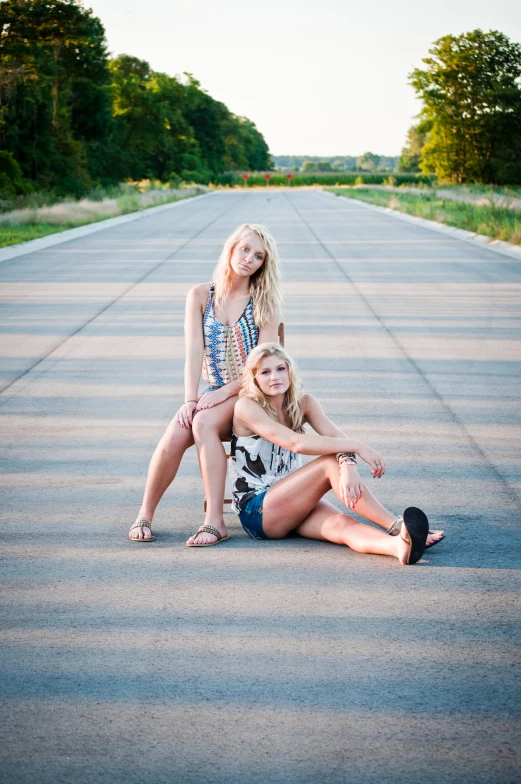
[(371, 509), (327, 523), (296, 495), (209, 428), (161, 472), (295, 503)]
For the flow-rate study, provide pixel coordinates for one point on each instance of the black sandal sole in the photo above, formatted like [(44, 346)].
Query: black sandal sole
[(417, 527)]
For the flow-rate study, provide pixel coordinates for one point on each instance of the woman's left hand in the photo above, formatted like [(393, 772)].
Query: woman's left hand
[(211, 399), (350, 485), (374, 459)]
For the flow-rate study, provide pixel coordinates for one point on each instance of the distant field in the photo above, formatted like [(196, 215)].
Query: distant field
[(258, 179), (500, 223)]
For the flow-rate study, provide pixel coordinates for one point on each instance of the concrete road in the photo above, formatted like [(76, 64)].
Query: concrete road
[(284, 662)]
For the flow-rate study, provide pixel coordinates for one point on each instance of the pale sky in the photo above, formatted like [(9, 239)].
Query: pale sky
[(318, 77)]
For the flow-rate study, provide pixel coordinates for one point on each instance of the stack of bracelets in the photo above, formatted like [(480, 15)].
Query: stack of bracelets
[(346, 457)]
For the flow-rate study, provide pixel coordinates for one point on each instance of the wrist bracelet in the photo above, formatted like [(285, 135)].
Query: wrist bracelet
[(190, 401), (346, 457)]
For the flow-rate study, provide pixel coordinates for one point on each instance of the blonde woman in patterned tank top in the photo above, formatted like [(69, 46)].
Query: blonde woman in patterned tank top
[(224, 321)]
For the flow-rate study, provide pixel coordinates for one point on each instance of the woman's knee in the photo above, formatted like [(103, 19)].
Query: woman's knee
[(340, 523), (176, 437), (206, 424)]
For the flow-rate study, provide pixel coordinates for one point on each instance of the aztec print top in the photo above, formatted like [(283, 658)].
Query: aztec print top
[(226, 348), (258, 465)]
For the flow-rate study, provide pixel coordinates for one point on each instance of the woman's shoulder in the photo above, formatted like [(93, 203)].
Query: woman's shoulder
[(245, 404), (202, 289), (307, 400), (308, 403), (245, 409), (199, 294)]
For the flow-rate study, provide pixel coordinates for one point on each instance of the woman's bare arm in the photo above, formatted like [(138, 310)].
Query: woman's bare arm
[(250, 416), (194, 342), (194, 350), (269, 333)]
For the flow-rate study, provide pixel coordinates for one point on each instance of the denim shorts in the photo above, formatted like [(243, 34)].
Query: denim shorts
[(251, 516), (209, 389)]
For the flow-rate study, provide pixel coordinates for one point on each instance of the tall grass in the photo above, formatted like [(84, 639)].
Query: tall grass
[(38, 219), (500, 223)]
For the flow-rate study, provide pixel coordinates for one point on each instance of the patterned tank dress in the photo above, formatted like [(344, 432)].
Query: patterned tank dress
[(226, 348)]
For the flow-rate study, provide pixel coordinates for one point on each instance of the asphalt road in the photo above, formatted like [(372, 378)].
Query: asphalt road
[(285, 662)]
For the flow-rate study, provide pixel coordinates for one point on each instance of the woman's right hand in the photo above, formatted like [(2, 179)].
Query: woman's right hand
[(185, 415), (374, 459)]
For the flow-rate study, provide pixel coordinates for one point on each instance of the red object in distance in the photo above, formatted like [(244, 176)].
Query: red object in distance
[(245, 176), (289, 176), (268, 176)]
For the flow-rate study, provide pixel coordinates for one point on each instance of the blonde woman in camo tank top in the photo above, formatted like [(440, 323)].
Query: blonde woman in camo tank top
[(224, 321), (275, 495)]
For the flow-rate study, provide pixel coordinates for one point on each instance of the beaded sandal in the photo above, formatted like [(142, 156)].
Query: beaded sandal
[(141, 524), (208, 529)]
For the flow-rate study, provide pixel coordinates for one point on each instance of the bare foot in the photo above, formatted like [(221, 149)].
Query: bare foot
[(434, 537), (141, 532), (206, 538)]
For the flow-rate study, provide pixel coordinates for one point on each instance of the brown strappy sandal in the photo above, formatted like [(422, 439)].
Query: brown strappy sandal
[(208, 529), (141, 524)]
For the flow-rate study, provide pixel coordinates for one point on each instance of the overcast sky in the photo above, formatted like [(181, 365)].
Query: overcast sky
[(318, 77)]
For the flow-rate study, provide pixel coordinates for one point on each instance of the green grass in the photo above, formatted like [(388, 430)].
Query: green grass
[(499, 223), (20, 232), (40, 219), (485, 190)]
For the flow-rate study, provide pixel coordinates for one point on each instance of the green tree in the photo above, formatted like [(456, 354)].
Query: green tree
[(70, 118), (151, 133), (53, 99), (11, 180), (472, 100), (368, 161), (410, 158)]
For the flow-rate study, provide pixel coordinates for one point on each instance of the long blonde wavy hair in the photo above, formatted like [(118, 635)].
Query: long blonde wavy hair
[(293, 395), (265, 287)]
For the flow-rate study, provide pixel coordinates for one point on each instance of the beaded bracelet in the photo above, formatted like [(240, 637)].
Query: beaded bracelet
[(346, 457), (190, 401)]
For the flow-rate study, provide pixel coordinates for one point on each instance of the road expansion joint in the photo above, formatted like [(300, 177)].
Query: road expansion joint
[(511, 493), (105, 308)]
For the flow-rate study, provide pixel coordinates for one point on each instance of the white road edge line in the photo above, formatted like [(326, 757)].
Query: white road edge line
[(23, 248), (499, 246)]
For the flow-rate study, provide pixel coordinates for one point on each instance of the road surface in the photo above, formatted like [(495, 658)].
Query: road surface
[(284, 662)]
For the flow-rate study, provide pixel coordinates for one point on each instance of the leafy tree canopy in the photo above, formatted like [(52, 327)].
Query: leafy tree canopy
[(417, 136), (472, 101), (368, 161), (70, 118)]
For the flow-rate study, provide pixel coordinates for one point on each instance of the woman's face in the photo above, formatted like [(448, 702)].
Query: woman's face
[(248, 255), (272, 376)]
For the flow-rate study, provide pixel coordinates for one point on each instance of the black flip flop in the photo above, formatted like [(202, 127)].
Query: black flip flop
[(417, 527)]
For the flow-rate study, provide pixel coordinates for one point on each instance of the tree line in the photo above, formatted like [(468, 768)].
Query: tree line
[(72, 118), (349, 163), (469, 128)]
